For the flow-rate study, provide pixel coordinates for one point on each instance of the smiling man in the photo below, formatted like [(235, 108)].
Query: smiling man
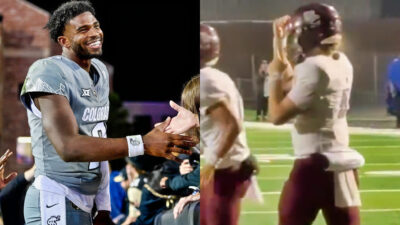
[(67, 101)]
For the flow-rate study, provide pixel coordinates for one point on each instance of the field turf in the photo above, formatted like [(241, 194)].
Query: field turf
[(379, 178)]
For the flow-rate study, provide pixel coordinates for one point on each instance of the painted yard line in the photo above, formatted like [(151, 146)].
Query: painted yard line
[(359, 176), (285, 178), (258, 212), (389, 173), (266, 158), (380, 191), (272, 178), (361, 191), (290, 165), (276, 166), (351, 141), (271, 193), (353, 130), (353, 146), (362, 210)]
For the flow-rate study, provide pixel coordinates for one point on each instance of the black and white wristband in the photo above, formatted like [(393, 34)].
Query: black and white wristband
[(135, 145)]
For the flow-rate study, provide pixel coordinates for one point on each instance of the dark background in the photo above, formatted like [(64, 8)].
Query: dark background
[(153, 45)]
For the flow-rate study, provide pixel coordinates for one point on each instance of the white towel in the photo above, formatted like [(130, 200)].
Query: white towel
[(346, 189), (254, 192), (84, 202), (344, 160), (52, 208)]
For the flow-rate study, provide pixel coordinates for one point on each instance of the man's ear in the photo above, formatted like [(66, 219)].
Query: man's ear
[(64, 41)]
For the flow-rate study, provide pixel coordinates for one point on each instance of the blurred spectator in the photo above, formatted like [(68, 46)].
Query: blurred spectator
[(12, 197), (187, 210), (3, 161), (154, 200), (118, 187), (393, 90), (262, 90), (136, 179)]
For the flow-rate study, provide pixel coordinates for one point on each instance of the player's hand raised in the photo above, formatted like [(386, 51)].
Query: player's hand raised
[(280, 61), (280, 37), (160, 144)]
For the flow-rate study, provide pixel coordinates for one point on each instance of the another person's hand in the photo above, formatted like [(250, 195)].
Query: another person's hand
[(163, 182), (103, 218), (3, 161), (160, 144), (185, 167), (183, 202), (29, 174), (183, 121)]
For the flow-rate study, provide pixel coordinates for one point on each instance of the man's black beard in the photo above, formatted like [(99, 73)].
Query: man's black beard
[(84, 54)]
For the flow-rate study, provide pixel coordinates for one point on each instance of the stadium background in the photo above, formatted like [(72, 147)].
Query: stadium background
[(371, 30), (371, 40)]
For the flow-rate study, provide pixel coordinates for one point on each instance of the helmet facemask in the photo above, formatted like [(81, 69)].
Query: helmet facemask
[(313, 25)]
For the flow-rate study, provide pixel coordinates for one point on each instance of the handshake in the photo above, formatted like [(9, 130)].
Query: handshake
[(166, 139)]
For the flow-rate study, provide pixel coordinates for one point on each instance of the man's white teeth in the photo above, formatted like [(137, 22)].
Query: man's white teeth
[(96, 43)]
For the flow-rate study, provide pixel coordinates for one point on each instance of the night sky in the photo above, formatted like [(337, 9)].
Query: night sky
[(163, 38)]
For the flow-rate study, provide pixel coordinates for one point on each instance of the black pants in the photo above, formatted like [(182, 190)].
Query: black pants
[(262, 105)]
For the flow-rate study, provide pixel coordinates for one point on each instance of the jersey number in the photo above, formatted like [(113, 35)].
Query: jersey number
[(98, 131)]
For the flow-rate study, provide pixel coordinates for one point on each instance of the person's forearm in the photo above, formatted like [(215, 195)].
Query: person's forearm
[(229, 131), (81, 148), (182, 181), (229, 127), (276, 95)]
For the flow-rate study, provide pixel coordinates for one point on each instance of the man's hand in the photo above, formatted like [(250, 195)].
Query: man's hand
[(185, 167), (163, 182), (280, 38), (183, 121), (3, 161), (160, 144), (183, 202), (103, 218), (280, 60), (30, 174)]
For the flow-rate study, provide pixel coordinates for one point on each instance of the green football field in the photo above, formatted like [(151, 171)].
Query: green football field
[(379, 178)]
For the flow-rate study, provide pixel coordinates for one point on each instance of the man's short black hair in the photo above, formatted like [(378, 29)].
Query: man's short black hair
[(63, 14)]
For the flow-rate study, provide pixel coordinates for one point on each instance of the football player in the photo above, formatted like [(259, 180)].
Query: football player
[(67, 101), (324, 175), (226, 174)]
